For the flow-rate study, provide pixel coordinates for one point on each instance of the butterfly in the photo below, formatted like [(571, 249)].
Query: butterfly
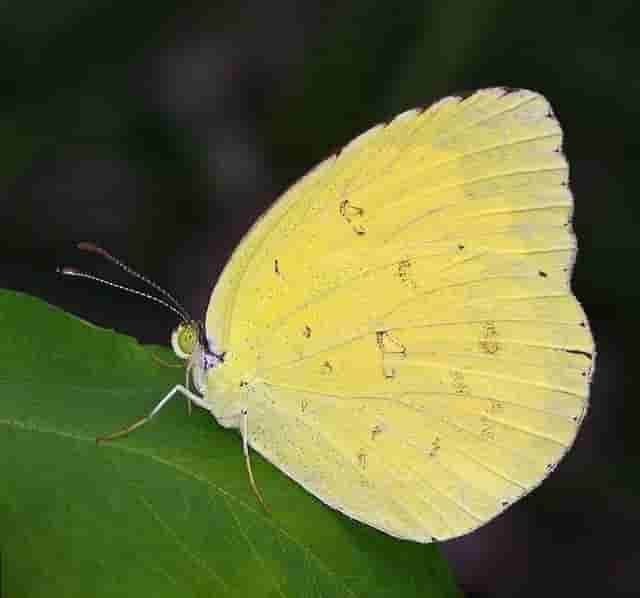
[(397, 333)]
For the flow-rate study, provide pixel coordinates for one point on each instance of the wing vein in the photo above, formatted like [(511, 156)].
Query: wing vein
[(425, 122), (481, 438), (349, 462)]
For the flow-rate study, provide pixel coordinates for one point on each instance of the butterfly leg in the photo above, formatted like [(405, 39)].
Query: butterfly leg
[(244, 432), (164, 363), (240, 421), (186, 384), (179, 389)]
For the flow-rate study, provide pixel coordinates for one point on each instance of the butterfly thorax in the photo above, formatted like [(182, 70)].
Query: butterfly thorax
[(189, 343), (214, 376)]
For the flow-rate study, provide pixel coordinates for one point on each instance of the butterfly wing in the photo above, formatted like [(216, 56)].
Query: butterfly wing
[(417, 359)]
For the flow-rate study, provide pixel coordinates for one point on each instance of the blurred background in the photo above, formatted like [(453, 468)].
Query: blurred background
[(161, 132)]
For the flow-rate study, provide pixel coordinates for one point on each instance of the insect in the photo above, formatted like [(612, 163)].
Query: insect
[(397, 333)]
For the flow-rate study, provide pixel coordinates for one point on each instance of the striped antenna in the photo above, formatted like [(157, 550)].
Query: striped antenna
[(78, 274), (93, 248)]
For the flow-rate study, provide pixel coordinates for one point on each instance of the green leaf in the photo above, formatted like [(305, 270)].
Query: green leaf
[(168, 510)]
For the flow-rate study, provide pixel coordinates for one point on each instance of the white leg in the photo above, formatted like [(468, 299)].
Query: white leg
[(244, 431), (198, 400), (186, 384)]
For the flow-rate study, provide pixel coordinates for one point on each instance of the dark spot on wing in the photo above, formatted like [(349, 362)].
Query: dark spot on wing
[(353, 215), (488, 429), (489, 338), (389, 344), (458, 383), (435, 447), (578, 418), (405, 274), (390, 347), (307, 332), (362, 459), (495, 406), (541, 273), (376, 430), (576, 352)]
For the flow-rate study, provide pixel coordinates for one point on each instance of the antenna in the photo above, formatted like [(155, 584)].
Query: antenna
[(93, 248), (77, 273)]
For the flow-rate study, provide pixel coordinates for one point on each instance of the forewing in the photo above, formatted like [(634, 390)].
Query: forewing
[(406, 316)]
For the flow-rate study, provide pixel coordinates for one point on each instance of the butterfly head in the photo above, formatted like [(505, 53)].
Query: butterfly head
[(189, 342), (184, 339)]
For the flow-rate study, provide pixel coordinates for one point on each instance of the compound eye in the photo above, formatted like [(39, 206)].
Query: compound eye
[(184, 340)]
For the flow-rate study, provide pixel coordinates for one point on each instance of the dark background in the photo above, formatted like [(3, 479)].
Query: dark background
[(162, 132)]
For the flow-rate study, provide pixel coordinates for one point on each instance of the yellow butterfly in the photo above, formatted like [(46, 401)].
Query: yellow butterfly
[(398, 333)]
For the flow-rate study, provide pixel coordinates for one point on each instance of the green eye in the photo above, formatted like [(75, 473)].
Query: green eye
[(184, 340)]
